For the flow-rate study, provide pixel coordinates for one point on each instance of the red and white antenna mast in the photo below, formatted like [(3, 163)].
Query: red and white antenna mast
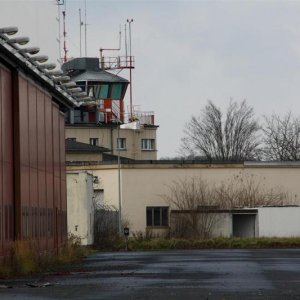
[(129, 21), (120, 62)]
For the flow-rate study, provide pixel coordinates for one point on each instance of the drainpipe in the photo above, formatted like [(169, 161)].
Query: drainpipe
[(111, 140)]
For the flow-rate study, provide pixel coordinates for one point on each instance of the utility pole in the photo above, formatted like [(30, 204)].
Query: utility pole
[(85, 38), (80, 24), (129, 21)]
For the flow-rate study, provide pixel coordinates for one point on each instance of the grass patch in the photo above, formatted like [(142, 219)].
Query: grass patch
[(213, 243), (26, 257)]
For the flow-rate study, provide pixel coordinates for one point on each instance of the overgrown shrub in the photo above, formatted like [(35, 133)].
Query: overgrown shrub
[(27, 258)]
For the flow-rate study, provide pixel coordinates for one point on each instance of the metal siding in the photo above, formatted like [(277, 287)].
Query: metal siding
[(33, 189), (23, 121), (1, 168), (62, 160), (7, 192), (42, 205), (25, 196), (62, 147), (41, 143), (7, 133), (55, 124), (40, 158), (63, 193), (56, 164), (49, 172), (49, 135), (57, 210), (41, 139), (32, 126), (50, 212)]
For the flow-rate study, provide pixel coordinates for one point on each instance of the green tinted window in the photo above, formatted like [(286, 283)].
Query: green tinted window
[(99, 91), (104, 91), (116, 91)]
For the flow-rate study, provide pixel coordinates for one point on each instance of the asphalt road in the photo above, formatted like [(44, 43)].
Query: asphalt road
[(194, 274)]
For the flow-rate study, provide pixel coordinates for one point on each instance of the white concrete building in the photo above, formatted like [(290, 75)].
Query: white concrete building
[(80, 205), (143, 184)]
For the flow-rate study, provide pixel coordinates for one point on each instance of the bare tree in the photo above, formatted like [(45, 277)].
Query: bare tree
[(232, 137), (282, 137), (247, 190), (193, 198), (196, 203)]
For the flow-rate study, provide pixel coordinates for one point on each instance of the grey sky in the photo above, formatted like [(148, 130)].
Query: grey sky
[(186, 52)]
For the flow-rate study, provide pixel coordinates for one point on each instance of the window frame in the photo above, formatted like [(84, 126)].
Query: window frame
[(163, 212), (96, 140), (124, 143), (149, 143)]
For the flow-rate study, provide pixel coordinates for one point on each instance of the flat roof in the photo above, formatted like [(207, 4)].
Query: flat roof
[(176, 164)]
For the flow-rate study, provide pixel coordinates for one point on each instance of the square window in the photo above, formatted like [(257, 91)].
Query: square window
[(94, 141), (157, 216), (147, 144), (121, 143)]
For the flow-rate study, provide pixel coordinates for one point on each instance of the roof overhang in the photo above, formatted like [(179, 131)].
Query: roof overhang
[(9, 59)]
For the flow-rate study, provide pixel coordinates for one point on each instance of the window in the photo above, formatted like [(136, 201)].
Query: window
[(121, 143), (99, 91), (116, 91), (157, 216), (94, 141), (148, 144), (81, 84), (77, 116)]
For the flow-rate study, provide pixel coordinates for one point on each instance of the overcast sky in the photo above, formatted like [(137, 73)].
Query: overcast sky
[(186, 52)]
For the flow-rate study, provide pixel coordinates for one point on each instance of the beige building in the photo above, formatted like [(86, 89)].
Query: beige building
[(143, 185), (138, 144)]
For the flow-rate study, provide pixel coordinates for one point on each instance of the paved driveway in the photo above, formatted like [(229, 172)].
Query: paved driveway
[(195, 274)]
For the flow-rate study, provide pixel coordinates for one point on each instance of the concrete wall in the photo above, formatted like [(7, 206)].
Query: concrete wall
[(279, 221), (223, 225), (80, 206), (107, 138), (145, 185)]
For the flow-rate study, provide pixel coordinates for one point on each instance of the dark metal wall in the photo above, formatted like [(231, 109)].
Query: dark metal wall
[(32, 165), (6, 161)]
